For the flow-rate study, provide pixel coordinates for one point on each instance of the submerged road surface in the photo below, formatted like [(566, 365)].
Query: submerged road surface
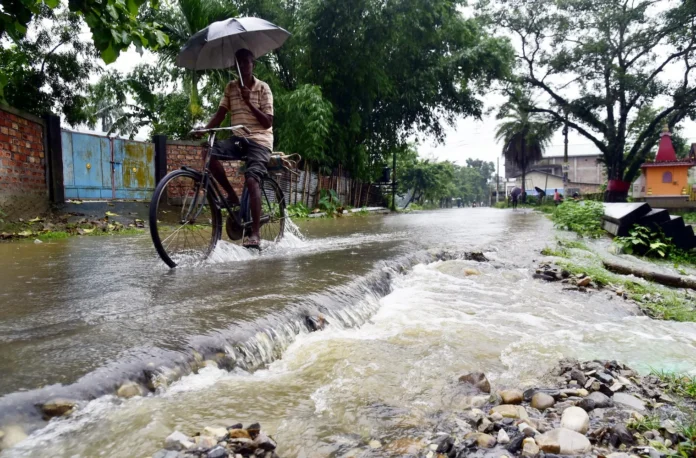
[(79, 317)]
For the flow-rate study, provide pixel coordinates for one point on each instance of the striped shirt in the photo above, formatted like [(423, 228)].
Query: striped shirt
[(262, 98)]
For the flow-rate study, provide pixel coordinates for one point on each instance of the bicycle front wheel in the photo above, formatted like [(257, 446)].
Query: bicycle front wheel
[(272, 211), (185, 223)]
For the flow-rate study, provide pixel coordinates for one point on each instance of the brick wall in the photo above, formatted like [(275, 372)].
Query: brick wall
[(23, 188), (181, 153)]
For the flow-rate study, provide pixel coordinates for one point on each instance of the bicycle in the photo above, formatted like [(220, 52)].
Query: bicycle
[(187, 206)]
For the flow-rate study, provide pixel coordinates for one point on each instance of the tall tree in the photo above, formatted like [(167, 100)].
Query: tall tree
[(523, 132), (598, 62)]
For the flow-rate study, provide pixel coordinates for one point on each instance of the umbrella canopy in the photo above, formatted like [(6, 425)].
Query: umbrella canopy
[(213, 48), (515, 192)]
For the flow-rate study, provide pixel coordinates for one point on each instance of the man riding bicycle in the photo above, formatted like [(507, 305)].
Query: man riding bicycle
[(250, 105)]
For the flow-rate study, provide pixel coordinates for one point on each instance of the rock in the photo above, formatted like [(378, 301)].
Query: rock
[(604, 377), (485, 441), (374, 444), (238, 433), (515, 444), (445, 445), (511, 396), (587, 405), (584, 281), (205, 441), (629, 401), (218, 433), (129, 390), (616, 387), (485, 425), (563, 441), (527, 430), (529, 394), (217, 452), (254, 430), (503, 437), (496, 417), (510, 411), (57, 408), (477, 380), (529, 447), (583, 392), (578, 375), (166, 454), (12, 435), (601, 401), (575, 419), (264, 442), (620, 435), (542, 401), (468, 272), (405, 446), (596, 386), (178, 441)]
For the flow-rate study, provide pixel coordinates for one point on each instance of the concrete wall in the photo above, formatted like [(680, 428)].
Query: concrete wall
[(23, 181), (581, 169), (675, 187)]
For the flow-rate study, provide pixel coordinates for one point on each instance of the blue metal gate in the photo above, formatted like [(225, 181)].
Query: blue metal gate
[(96, 167)]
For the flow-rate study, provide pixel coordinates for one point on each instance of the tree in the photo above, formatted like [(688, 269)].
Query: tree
[(49, 72), (524, 133), (642, 120), (394, 68), (115, 24), (181, 21), (486, 171), (598, 62)]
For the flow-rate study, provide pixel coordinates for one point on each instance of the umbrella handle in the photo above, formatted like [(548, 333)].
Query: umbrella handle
[(239, 72)]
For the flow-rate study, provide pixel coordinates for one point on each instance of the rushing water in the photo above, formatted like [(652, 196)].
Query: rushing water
[(80, 316)]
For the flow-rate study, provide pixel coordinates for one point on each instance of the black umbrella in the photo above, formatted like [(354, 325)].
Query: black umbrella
[(515, 191)]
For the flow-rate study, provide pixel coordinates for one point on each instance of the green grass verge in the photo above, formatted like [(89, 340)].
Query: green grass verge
[(679, 384)]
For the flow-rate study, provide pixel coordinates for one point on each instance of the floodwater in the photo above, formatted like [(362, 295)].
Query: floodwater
[(78, 317)]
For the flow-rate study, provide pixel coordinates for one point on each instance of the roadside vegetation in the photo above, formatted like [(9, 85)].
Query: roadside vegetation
[(61, 227)]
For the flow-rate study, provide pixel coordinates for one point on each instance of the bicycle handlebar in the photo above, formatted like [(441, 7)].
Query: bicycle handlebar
[(215, 129)]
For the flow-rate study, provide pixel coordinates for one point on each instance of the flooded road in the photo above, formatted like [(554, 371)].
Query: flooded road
[(78, 317)]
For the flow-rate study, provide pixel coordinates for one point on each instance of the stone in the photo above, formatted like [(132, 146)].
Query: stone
[(264, 442), (475, 416), (405, 446), (468, 272), (57, 408), (238, 434), (575, 419), (515, 444), (166, 454), (587, 404), (129, 390), (529, 447), (445, 445), (503, 437), (216, 432), (527, 430), (178, 441), (217, 452), (511, 396), (205, 441), (584, 281), (374, 444), (596, 386), (620, 435), (254, 429), (601, 401), (529, 394), (485, 425), (604, 377), (485, 441), (478, 380), (616, 387), (542, 401), (496, 417), (629, 401), (563, 441), (577, 374), (583, 392), (12, 435), (510, 411)]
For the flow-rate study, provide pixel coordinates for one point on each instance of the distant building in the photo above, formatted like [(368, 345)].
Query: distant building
[(585, 174)]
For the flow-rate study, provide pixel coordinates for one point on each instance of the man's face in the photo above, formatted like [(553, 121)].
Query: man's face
[(246, 65)]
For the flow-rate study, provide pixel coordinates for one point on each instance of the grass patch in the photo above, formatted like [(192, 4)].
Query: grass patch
[(53, 235), (647, 423), (585, 217), (680, 384), (656, 301), (562, 253), (576, 244)]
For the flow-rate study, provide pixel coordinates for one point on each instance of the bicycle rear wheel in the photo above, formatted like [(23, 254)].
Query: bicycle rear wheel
[(185, 223), (272, 211)]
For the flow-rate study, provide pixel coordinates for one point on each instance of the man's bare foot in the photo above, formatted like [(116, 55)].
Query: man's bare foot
[(254, 241)]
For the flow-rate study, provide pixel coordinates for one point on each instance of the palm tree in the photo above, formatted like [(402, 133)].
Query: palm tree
[(525, 134), (180, 21)]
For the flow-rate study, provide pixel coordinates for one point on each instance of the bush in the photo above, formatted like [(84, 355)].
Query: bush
[(298, 210), (329, 202), (641, 240), (585, 218)]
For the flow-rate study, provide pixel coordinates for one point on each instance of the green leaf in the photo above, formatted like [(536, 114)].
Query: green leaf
[(52, 3), (109, 55), (133, 7), (111, 9)]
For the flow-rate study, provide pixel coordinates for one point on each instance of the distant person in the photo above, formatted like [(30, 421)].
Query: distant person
[(556, 197), (514, 201)]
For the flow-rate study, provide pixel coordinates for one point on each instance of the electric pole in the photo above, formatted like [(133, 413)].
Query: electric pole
[(497, 180), (565, 153)]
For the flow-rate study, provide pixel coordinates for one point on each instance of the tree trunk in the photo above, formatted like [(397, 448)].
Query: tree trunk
[(523, 196), (617, 188), (664, 279)]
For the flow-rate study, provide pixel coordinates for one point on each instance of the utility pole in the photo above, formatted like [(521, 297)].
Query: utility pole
[(565, 153), (497, 180)]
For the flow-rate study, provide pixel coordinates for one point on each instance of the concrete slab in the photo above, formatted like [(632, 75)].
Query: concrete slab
[(654, 216), (625, 213)]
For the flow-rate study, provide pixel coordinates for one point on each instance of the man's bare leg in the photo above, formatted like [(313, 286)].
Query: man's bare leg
[(255, 206), (218, 172)]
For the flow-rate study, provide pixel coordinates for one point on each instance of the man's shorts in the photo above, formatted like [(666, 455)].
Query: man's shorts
[(234, 149)]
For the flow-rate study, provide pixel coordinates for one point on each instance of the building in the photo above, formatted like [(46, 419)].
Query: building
[(665, 181), (585, 174)]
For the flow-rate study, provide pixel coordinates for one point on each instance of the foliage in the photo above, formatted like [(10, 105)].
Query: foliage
[(585, 218), (646, 423), (427, 180), (680, 384), (598, 62), (3, 215), (115, 24), (642, 120), (49, 70), (329, 202), (298, 210), (524, 134), (304, 119), (641, 240)]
